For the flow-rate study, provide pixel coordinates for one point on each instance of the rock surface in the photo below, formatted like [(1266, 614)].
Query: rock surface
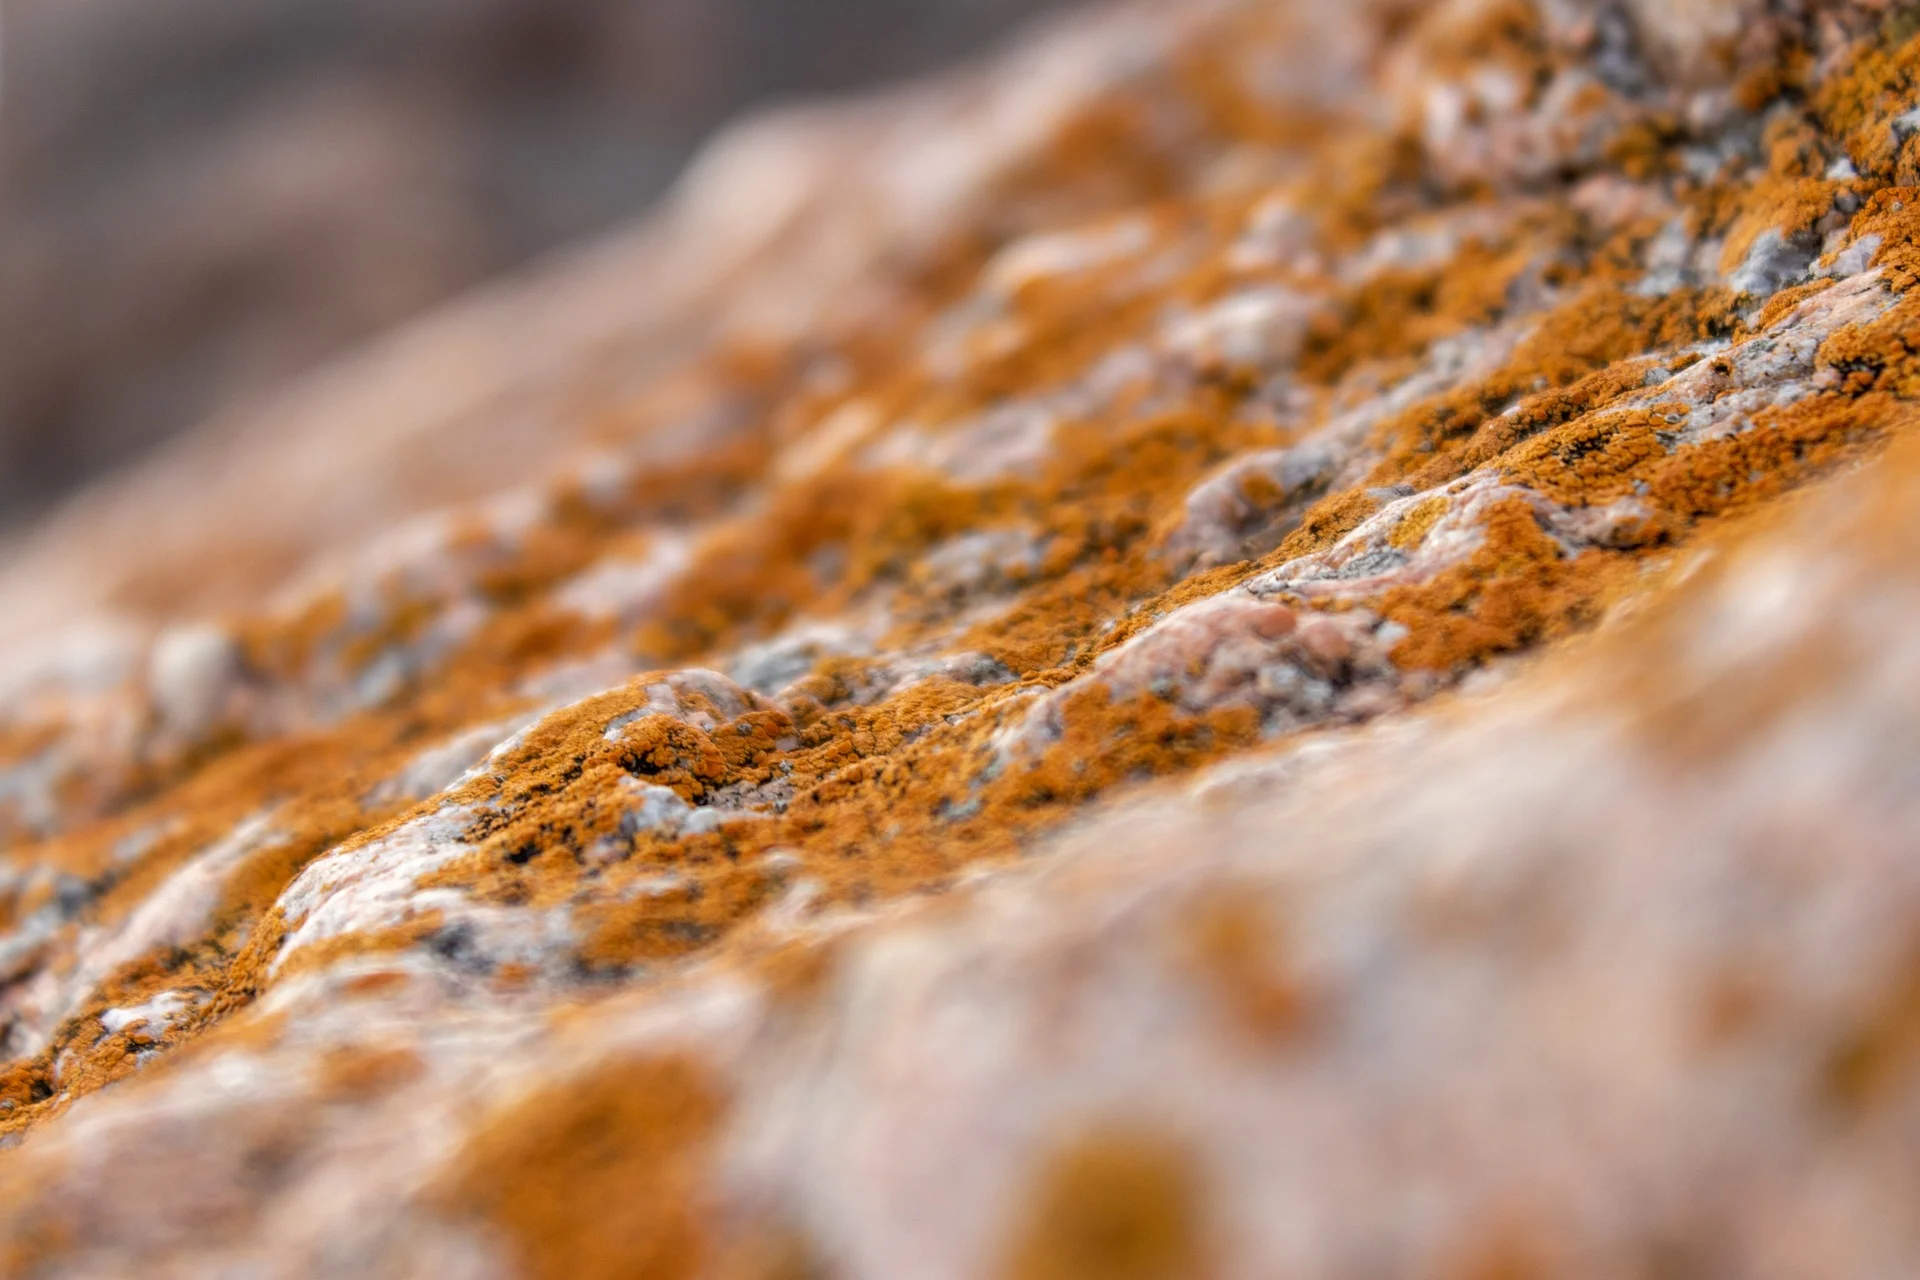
[(1270, 640)]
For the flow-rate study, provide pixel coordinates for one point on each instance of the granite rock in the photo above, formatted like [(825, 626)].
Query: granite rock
[(1269, 639)]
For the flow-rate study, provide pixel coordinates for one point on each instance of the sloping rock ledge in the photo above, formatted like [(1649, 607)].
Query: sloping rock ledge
[(1266, 639)]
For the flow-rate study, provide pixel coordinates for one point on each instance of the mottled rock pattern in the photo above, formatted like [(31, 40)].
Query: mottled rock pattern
[(1281, 643)]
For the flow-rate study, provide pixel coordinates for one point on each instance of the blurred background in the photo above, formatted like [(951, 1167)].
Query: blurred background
[(202, 198)]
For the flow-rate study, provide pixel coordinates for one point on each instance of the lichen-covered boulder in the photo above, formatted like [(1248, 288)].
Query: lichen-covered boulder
[(1266, 640)]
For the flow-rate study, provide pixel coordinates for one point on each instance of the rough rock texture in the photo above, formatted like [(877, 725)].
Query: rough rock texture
[(1274, 640)]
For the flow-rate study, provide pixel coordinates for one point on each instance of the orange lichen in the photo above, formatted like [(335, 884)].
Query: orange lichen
[(1880, 1050), (1118, 1204), (1238, 949), (1791, 198), (1858, 106), (37, 1239), (1418, 522), (1593, 460), (354, 1072), (598, 1178), (1517, 589)]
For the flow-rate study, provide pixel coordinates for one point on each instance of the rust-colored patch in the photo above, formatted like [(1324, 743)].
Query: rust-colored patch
[(354, 1072), (1880, 1054), (1118, 1204), (1238, 947), (598, 1178), (1517, 589)]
